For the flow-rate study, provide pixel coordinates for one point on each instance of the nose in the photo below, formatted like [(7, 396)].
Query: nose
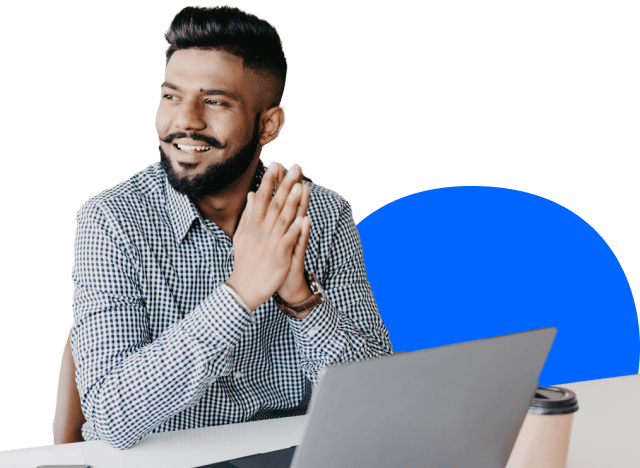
[(189, 116)]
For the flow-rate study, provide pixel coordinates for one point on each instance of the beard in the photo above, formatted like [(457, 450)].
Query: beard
[(218, 175)]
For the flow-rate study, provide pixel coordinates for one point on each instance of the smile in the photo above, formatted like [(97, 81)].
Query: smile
[(193, 149)]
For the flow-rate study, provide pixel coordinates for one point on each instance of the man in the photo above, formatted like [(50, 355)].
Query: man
[(208, 289)]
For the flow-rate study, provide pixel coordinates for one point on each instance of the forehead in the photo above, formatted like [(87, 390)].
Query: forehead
[(195, 69)]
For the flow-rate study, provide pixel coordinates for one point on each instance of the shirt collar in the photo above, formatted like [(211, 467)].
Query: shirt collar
[(182, 212)]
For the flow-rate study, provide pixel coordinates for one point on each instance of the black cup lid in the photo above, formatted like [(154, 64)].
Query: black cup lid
[(553, 400)]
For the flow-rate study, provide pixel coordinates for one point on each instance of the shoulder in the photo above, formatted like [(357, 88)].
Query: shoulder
[(143, 188), (326, 205), (325, 197)]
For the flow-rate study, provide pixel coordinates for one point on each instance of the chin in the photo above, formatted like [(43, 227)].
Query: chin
[(187, 167)]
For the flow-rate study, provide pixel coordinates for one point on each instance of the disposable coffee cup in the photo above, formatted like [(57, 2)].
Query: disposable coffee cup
[(543, 440)]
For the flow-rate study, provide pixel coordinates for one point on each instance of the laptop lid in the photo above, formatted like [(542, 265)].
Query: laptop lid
[(460, 406)]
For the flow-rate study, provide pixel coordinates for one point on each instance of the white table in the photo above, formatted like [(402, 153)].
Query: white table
[(606, 428), (606, 431)]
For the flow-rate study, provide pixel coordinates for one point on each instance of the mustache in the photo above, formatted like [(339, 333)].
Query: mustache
[(194, 136)]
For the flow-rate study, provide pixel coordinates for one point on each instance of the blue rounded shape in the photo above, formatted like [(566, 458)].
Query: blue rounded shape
[(463, 263)]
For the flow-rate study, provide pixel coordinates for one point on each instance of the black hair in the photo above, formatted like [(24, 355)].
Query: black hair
[(232, 30)]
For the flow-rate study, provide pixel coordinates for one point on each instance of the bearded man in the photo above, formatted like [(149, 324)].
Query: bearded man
[(208, 289)]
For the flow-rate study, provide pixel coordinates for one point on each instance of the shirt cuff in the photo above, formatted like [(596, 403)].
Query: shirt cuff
[(314, 331), (239, 300), (218, 321)]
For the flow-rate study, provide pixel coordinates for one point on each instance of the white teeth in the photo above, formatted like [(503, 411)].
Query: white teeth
[(193, 148)]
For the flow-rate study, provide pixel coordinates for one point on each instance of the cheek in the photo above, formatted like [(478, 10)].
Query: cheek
[(163, 120), (239, 128)]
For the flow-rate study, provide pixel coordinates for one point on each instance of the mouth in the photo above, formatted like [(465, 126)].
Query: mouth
[(192, 149)]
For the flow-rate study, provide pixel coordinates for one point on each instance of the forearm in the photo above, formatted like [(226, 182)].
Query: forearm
[(348, 325), (330, 335), (68, 420), (159, 379)]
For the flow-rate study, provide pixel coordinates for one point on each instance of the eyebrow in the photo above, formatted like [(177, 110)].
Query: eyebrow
[(207, 92)]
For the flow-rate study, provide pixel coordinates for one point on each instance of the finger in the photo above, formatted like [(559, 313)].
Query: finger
[(280, 198), (288, 213), (303, 206), (288, 241), (298, 168), (300, 177), (281, 173), (306, 232), (303, 241)]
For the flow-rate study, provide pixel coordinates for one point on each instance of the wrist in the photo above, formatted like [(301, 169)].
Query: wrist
[(300, 303), (293, 296), (246, 294)]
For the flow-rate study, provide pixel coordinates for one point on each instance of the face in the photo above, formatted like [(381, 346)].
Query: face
[(207, 121)]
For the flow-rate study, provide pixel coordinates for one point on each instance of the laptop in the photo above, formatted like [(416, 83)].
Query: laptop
[(459, 405)]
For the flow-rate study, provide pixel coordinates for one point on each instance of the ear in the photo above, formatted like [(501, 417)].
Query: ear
[(272, 122)]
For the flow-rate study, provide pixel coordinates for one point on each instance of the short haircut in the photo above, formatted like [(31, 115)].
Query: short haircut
[(231, 30)]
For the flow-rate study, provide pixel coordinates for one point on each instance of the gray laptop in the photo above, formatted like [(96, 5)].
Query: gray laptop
[(459, 406)]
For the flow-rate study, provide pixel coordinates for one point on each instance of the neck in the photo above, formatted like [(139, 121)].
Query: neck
[(226, 206)]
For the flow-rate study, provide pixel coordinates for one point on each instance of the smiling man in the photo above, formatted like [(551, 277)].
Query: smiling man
[(208, 289)]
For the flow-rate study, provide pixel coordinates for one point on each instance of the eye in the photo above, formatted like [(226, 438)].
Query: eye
[(214, 102), (170, 97)]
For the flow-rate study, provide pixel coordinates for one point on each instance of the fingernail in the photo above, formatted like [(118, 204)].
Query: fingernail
[(273, 165), (298, 220), (295, 189)]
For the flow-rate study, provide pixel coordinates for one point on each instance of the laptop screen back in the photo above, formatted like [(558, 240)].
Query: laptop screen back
[(460, 405)]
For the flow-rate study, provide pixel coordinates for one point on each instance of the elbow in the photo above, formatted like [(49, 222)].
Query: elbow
[(124, 446), (118, 441), (110, 424), (116, 438)]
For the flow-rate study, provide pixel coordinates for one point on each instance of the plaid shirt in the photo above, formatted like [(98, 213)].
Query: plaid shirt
[(159, 342)]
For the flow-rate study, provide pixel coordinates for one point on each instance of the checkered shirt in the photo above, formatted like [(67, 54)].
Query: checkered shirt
[(159, 342)]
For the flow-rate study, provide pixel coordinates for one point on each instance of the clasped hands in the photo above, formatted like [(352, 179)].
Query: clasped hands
[(271, 240)]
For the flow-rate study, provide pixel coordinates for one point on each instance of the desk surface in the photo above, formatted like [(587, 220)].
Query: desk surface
[(606, 427), (603, 435)]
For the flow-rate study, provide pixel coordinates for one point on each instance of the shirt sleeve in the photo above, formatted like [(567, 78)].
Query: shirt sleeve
[(130, 383), (347, 326)]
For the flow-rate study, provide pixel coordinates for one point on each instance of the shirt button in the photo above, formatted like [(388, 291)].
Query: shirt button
[(313, 331), (238, 375)]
